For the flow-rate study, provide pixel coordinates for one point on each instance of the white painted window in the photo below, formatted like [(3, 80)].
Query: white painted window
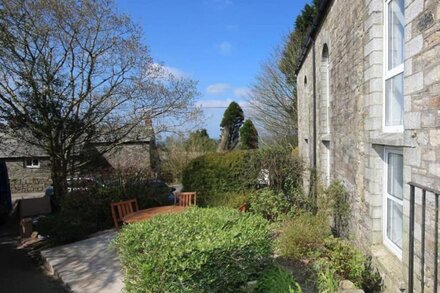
[(393, 200), (32, 163), (394, 32)]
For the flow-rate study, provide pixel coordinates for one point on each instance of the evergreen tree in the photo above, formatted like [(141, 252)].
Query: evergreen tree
[(230, 125), (248, 136)]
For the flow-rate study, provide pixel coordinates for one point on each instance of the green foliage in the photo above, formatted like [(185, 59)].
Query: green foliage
[(340, 206), (371, 280), (269, 204), (85, 212), (233, 116), (345, 260), (200, 142), (326, 281), (201, 250), (292, 48), (248, 136), (285, 168), (215, 174), (340, 260), (277, 280), (229, 199), (303, 235)]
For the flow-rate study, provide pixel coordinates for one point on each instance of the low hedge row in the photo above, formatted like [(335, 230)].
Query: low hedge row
[(216, 174), (201, 250)]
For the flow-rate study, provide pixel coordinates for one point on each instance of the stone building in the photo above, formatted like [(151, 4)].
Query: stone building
[(29, 167), (369, 116)]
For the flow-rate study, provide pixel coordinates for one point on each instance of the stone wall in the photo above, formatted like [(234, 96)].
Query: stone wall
[(24, 179), (343, 33), (354, 36)]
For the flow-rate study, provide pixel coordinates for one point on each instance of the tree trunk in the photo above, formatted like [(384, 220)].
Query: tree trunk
[(224, 140), (59, 181)]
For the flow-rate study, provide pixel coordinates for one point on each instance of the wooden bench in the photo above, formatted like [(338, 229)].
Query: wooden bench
[(122, 209), (185, 199)]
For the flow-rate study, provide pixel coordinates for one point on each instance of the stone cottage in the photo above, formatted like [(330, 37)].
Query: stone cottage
[(29, 167), (369, 116)]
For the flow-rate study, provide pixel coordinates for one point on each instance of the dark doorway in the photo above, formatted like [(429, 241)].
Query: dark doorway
[(5, 191)]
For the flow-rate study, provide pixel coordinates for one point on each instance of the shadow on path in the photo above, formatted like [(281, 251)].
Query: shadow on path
[(18, 273)]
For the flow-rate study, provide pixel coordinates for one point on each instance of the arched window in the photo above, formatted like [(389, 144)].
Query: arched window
[(325, 89)]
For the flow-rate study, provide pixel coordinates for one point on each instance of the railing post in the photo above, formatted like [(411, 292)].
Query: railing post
[(436, 244), (411, 241), (422, 260)]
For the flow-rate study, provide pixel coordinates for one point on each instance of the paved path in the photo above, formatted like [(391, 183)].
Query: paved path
[(18, 274), (87, 266)]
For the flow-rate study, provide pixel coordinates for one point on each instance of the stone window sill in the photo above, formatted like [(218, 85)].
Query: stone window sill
[(389, 139)]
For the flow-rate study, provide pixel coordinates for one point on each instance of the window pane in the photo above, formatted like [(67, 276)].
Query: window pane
[(395, 175), (35, 162), (396, 30), (28, 162), (394, 101), (394, 222)]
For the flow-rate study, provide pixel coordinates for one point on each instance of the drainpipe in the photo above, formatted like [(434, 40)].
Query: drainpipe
[(314, 125)]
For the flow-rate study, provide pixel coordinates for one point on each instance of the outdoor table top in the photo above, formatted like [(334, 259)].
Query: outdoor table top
[(146, 214)]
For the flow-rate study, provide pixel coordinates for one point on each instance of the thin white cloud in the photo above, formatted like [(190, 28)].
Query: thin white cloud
[(225, 48), (217, 103), (179, 73), (218, 88), (242, 92), (167, 70)]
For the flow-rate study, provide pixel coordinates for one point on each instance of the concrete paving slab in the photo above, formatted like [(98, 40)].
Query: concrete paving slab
[(89, 265)]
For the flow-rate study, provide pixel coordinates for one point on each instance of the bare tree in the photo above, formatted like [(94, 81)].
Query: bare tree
[(273, 103), (73, 73)]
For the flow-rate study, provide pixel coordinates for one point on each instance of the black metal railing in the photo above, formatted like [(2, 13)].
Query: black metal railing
[(436, 194)]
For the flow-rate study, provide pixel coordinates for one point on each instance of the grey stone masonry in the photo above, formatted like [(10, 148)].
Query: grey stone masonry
[(353, 126)]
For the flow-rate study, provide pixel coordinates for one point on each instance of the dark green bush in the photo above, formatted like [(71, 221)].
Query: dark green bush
[(201, 250), (340, 206), (277, 280), (214, 174), (88, 211), (340, 260), (270, 204), (303, 236)]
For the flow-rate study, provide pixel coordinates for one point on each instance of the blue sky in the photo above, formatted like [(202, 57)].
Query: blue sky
[(219, 43)]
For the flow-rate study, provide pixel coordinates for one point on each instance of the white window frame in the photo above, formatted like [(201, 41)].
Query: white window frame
[(32, 165), (387, 242), (327, 146), (389, 74)]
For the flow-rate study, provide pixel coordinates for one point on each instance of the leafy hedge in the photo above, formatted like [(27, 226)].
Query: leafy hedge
[(217, 173), (201, 250), (85, 212)]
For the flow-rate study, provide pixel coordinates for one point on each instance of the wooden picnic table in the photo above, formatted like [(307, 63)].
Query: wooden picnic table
[(146, 214)]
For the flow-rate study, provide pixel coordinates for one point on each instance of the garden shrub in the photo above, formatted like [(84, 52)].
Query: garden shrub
[(215, 174), (303, 235), (277, 280), (269, 204), (340, 260), (88, 211), (340, 207), (229, 199), (346, 261), (200, 250)]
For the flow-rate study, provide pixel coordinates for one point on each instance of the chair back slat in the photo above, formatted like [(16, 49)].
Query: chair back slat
[(185, 199), (121, 209)]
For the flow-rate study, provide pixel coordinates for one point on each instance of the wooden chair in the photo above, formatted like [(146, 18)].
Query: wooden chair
[(185, 199), (123, 208)]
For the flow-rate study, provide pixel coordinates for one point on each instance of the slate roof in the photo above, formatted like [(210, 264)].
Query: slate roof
[(313, 31)]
